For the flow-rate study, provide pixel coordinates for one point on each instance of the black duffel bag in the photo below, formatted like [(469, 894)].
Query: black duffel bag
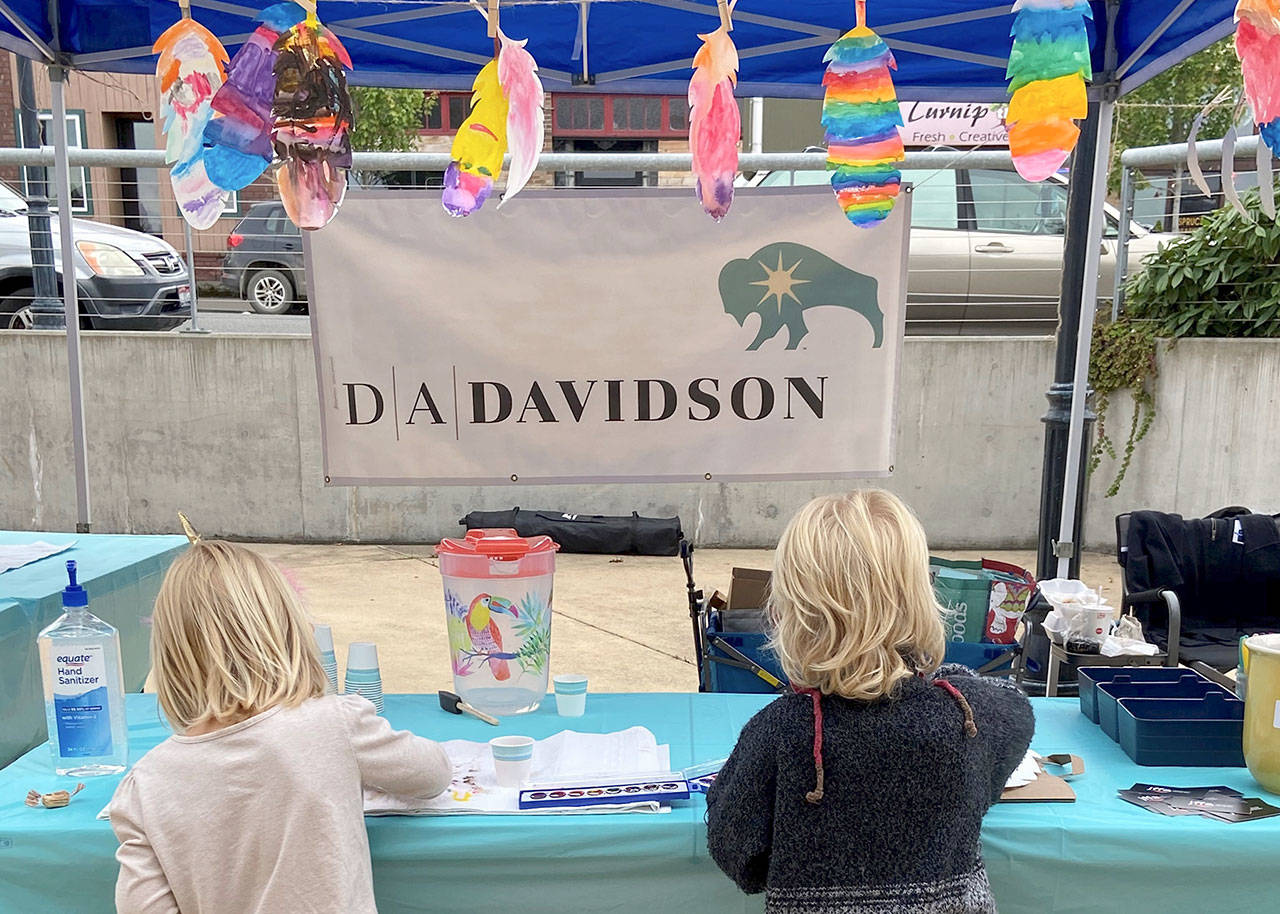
[(591, 533)]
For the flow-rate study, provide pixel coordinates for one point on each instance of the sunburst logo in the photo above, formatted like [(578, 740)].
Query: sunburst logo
[(783, 280)]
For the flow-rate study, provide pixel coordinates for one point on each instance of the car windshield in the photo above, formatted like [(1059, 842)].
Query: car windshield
[(11, 201)]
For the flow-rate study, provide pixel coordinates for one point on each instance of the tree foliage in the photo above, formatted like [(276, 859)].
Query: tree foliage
[(1220, 280), (388, 120), (1163, 110)]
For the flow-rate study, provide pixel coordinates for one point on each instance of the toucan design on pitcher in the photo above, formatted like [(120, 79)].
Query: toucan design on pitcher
[(486, 637)]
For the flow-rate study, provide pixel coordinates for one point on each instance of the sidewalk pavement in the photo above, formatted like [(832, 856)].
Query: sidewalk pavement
[(623, 621)]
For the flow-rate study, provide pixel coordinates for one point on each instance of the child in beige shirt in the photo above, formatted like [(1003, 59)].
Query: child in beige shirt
[(255, 805)]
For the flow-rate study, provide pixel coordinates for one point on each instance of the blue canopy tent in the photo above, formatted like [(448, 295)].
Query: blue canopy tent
[(944, 49)]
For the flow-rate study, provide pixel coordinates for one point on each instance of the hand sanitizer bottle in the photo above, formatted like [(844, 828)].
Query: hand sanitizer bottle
[(83, 689)]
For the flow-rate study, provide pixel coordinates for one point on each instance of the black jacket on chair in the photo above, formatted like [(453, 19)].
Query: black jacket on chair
[(1225, 569)]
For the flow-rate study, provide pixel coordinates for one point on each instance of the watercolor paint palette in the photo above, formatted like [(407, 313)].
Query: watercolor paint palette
[(657, 788)]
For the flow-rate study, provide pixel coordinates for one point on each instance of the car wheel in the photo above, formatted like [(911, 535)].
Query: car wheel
[(16, 310), (270, 292)]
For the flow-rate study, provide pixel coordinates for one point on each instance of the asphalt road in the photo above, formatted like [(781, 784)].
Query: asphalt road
[(232, 315)]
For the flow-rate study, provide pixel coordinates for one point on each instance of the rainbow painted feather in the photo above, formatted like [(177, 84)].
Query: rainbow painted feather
[(714, 122), (1048, 67), (1258, 47), (311, 123), (190, 70), (861, 116), (518, 77), (238, 139)]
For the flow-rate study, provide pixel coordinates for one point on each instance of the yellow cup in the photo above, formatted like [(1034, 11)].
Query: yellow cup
[(1262, 710)]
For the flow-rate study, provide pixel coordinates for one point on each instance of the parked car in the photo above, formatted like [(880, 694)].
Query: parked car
[(264, 260), (986, 249), (126, 280)]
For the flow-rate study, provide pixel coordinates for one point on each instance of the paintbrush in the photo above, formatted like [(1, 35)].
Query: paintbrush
[(455, 705)]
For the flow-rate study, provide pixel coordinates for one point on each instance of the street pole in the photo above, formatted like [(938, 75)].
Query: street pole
[(62, 170), (46, 308), (195, 292), (1076, 257)]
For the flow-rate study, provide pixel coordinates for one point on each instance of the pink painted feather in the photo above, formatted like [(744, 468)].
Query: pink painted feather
[(518, 76), (714, 122)]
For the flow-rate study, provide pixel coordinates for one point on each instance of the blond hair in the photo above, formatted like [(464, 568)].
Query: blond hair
[(851, 603), (229, 638)]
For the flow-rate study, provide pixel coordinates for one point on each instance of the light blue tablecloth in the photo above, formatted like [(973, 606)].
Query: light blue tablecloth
[(122, 575), (1098, 854)]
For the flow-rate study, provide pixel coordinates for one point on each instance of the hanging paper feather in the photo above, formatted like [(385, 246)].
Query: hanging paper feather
[(518, 77), (478, 147), (312, 122), (861, 116), (1258, 47), (714, 121), (190, 70), (239, 136), (1048, 67)]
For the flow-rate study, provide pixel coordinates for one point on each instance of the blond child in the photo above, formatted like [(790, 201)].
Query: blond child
[(864, 792), (255, 803)]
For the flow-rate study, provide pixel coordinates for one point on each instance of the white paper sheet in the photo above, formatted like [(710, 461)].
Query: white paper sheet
[(17, 555), (1026, 771), (565, 755)]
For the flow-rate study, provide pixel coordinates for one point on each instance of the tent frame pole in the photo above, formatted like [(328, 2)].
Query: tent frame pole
[(1070, 530), (62, 170), (1066, 432)]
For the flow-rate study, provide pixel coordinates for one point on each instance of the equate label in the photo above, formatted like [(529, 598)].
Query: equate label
[(80, 701)]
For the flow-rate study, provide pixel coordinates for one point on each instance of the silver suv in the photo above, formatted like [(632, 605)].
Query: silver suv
[(986, 249), (126, 280)]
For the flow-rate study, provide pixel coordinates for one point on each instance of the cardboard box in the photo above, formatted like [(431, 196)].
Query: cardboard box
[(748, 588)]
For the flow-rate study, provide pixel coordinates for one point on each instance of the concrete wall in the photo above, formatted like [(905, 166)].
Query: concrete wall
[(226, 428)]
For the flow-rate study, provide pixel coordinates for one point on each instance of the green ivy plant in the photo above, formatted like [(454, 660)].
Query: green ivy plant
[(1219, 281), (1123, 358)]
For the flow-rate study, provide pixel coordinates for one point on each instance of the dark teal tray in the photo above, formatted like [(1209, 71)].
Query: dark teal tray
[(1183, 732), (1090, 676), (1189, 685)]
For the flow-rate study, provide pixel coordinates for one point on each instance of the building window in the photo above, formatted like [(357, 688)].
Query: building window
[(621, 115), (81, 198), (448, 112)]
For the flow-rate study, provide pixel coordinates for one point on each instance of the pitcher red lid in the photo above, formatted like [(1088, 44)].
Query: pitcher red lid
[(503, 544)]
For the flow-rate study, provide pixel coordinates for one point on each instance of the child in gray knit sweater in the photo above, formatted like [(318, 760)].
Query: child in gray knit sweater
[(864, 792)]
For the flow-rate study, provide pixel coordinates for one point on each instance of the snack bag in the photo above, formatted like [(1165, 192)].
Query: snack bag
[(1011, 590)]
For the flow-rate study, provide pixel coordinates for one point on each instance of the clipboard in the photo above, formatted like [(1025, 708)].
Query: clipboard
[(1048, 787)]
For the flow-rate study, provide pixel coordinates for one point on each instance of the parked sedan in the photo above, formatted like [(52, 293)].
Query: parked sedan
[(125, 280), (264, 260), (986, 249)]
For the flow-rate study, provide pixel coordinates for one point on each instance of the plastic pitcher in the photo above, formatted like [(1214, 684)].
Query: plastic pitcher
[(1262, 710), (497, 597)]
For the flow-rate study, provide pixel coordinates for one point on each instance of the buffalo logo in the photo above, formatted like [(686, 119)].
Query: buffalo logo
[(783, 280)]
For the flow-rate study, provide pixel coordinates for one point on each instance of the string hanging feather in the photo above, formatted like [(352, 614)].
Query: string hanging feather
[(311, 122), (238, 138), (1048, 67), (190, 70), (861, 116), (715, 124), (518, 77), (1258, 47)]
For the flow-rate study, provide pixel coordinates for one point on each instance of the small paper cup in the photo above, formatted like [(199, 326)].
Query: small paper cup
[(324, 638), (512, 759), (571, 694), (363, 656)]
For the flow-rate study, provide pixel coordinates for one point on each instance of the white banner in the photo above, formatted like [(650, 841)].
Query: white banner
[(606, 335)]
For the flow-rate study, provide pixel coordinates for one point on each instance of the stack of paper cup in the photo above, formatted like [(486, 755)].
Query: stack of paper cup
[(363, 677), (328, 660)]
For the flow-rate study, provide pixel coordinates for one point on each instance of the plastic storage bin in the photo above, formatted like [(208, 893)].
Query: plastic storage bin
[(980, 654), (1091, 676), (1183, 732), (1190, 685), (497, 596), (724, 678)]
